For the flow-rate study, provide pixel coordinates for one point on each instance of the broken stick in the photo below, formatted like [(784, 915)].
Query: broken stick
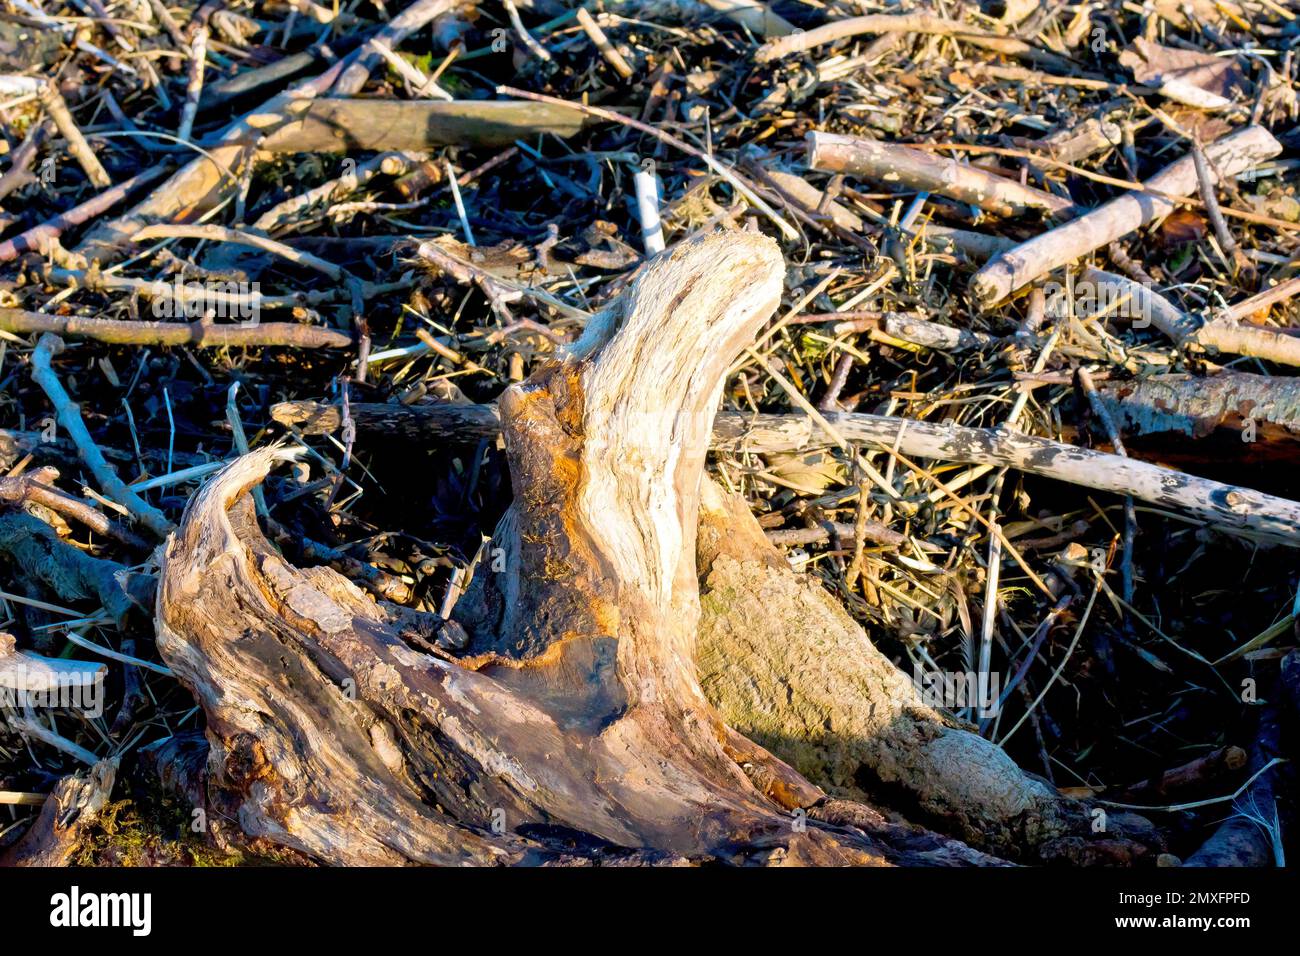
[(1020, 266), (910, 168)]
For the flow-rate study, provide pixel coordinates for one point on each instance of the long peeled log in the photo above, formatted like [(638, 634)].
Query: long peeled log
[(353, 125), (910, 168), (562, 717), (1229, 507), (1028, 261)]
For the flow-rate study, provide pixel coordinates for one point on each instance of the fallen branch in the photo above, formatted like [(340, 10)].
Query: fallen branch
[(71, 574), (933, 335), (19, 173), (416, 16), (37, 238), (1222, 333), (37, 487), (295, 121), (58, 111), (1028, 261), (1079, 142), (1272, 345), (1209, 768), (873, 531), (69, 416), (1230, 507), (1196, 405), (812, 201), (200, 334), (215, 233), (601, 42), (923, 23), (1143, 301), (323, 196), (915, 169), (1251, 835), (1261, 301)]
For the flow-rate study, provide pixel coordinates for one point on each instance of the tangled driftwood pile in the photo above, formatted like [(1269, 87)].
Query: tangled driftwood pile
[(648, 432)]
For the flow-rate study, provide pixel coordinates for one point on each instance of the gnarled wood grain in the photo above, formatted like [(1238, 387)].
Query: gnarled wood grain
[(572, 724)]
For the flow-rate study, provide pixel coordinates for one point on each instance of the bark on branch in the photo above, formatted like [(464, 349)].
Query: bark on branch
[(911, 168), (200, 334)]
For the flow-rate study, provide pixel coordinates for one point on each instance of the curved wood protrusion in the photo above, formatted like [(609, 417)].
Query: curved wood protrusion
[(573, 725)]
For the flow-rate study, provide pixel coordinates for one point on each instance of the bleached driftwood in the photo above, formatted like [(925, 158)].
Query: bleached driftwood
[(25, 672), (358, 732), (896, 165), (1016, 268), (787, 666)]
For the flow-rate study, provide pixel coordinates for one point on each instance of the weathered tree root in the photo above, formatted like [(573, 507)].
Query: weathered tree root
[(573, 728), (787, 666), (72, 807)]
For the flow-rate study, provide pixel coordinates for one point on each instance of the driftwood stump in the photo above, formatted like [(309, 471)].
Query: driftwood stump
[(562, 718)]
